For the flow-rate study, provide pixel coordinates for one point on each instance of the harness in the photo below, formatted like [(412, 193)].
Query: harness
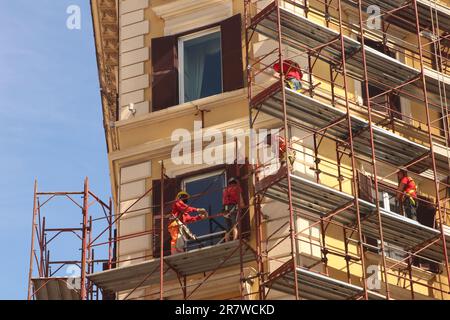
[(289, 83), (411, 191), (185, 231)]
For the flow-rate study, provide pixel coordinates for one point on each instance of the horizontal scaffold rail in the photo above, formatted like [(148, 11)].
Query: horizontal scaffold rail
[(313, 115), (305, 35), (194, 262), (322, 201)]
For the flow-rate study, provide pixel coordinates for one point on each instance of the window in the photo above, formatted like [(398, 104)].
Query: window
[(206, 192), (388, 202), (384, 101), (200, 61), (206, 189), (197, 64)]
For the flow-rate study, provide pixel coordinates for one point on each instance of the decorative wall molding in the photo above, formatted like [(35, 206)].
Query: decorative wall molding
[(183, 15), (133, 55), (106, 34), (163, 147)]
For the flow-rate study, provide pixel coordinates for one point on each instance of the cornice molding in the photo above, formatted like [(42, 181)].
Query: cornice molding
[(105, 26), (181, 7), (162, 147), (183, 15)]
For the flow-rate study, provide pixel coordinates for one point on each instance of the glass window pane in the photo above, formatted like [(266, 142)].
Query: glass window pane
[(202, 66), (210, 191)]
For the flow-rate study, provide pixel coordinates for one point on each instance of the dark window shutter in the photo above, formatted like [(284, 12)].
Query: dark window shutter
[(395, 106), (232, 66), (426, 212), (426, 215), (165, 72), (241, 173), (380, 103), (171, 189), (365, 187), (365, 193)]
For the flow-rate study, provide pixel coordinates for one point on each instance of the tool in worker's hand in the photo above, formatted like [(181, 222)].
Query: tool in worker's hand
[(185, 231), (203, 213), (187, 234)]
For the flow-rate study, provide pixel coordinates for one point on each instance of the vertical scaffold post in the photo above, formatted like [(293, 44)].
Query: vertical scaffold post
[(430, 140), (161, 239), (110, 228), (33, 231), (256, 200), (292, 230), (84, 239), (239, 222), (372, 149), (352, 154)]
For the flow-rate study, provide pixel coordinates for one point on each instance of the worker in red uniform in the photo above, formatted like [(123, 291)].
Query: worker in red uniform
[(232, 202), (292, 74), (282, 152), (407, 194), (181, 215)]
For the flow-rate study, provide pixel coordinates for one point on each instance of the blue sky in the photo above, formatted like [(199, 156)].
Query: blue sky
[(50, 122)]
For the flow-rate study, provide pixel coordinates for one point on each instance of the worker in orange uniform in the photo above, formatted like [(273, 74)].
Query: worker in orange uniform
[(180, 216), (282, 151), (232, 202), (292, 74), (407, 194)]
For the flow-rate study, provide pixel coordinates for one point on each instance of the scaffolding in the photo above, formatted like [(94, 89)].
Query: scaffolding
[(373, 133), (120, 278), (360, 133), (46, 280)]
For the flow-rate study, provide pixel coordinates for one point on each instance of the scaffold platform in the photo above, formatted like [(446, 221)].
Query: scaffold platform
[(315, 286), (55, 289), (313, 115), (423, 9), (303, 34), (183, 264), (322, 202)]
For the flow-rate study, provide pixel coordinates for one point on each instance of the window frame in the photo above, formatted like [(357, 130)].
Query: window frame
[(180, 50), (392, 101), (200, 176), (391, 250)]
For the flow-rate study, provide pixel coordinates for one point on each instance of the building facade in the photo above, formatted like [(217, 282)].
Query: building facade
[(373, 102)]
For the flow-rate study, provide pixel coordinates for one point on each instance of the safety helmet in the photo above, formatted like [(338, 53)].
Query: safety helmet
[(232, 180), (183, 195), (403, 172)]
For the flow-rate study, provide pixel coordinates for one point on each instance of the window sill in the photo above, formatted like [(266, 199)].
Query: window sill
[(209, 103)]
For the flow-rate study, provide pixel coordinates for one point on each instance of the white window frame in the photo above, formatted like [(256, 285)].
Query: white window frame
[(391, 250), (202, 176), (181, 41)]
